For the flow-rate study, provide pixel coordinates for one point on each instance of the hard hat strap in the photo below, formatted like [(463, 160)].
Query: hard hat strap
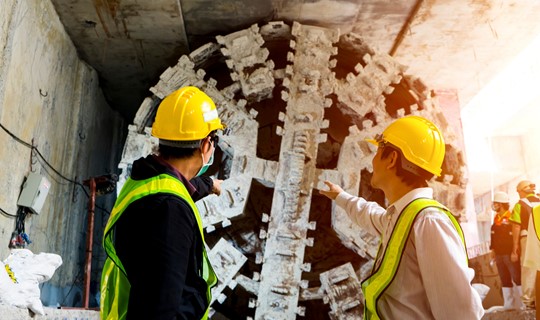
[(411, 167), (405, 163)]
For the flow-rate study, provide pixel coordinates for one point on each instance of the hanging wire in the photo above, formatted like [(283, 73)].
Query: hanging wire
[(46, 164), (19, 237), (4, 212), (34, 148)]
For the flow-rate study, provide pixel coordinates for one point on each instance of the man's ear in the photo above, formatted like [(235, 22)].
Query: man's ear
[(206, 144), (393, 158)]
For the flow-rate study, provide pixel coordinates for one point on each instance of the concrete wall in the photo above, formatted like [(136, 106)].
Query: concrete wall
[(52, 99)]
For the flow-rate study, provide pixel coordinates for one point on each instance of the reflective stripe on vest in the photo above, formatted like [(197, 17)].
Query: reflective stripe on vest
[(376, 284), (115, 285), (536, 220)]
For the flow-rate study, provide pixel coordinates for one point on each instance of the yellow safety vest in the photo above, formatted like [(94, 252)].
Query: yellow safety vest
[(374, 286), (115, 285), (536, 220)]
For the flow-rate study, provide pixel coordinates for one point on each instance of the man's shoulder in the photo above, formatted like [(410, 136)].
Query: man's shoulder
[(529, 201), (160, 201), (436, 212), (518, 205), (164, 206)]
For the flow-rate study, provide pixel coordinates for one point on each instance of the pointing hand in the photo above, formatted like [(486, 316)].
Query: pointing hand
[(333, 191)]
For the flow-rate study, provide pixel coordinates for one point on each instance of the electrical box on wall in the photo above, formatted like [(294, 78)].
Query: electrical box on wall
[(34, 192)]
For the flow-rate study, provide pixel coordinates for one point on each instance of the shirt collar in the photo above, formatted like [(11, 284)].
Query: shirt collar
[(414, 194)]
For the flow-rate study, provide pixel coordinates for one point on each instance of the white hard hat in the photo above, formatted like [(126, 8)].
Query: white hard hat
[(501, 197)]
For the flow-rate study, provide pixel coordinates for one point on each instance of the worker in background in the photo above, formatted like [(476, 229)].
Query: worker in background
[(157, 265), (532, 253), (520, 219), (501, 246), (421, 269)]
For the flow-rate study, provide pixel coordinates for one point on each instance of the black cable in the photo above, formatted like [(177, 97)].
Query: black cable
[(103, 209), (22, 212), (49, 172), (4, 212), (35, 149), (21, 217), (53, 169), (77, 277), (16, 138)]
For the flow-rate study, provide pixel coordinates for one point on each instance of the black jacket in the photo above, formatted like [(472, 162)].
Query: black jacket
[(501, 237), (158, 241)]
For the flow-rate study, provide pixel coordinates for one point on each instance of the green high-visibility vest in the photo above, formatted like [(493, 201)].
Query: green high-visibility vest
[(376, 284), (536, 220), (115, 285)]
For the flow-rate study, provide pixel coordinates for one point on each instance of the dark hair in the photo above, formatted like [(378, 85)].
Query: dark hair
[(409, 178), (168, 152), (172, 152)]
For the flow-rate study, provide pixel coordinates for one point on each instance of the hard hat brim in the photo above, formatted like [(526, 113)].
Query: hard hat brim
[(372, 141)]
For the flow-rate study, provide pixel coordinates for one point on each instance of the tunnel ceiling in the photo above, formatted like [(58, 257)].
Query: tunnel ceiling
[(448, 44)]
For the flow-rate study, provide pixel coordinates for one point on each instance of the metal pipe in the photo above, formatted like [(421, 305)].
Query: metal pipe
[(405, 27), (89, 242)]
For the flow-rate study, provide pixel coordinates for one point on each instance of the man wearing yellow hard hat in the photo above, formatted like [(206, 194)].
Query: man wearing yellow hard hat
[(157, 266), (421, 269), (521, 219)]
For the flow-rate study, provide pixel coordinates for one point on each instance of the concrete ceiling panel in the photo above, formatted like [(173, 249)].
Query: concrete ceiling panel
[(448, 44), (463, 45), (213, 17), (129, 43)]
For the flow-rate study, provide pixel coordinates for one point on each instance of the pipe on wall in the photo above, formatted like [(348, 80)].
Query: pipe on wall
[(405, 27)]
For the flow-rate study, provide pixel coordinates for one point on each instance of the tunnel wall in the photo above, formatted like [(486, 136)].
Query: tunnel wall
[(51, 100)]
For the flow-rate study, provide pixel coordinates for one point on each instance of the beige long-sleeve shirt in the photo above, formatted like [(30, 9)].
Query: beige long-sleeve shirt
[(433, 280)]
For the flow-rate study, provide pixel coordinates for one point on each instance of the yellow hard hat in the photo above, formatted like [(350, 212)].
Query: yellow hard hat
[(187, 114), (419, 140)]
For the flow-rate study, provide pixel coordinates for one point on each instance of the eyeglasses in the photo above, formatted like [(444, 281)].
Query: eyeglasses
[(531, 186), (381, 143)]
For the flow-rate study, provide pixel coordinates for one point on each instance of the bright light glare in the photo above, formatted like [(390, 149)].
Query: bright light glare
[(479, 155), (509, 92)]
